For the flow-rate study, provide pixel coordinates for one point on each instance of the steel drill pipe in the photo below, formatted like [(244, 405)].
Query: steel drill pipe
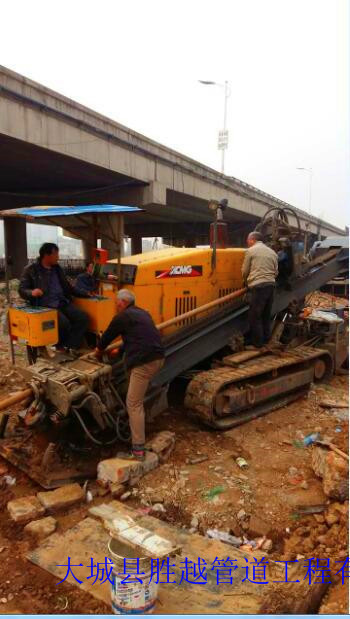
[(15, 398), (198, 310)]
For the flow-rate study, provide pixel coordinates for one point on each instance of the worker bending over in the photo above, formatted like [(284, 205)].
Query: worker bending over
[(44, 284), (259, 271), (144, 355)]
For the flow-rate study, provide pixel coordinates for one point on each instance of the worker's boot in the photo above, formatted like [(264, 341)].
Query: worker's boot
[(137, 453)]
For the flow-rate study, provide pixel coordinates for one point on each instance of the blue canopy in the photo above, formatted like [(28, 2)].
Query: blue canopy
[(55, 211)]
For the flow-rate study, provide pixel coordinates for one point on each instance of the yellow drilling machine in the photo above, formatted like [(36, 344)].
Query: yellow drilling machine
[(73, 410)]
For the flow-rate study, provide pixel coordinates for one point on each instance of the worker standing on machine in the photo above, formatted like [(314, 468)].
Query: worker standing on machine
[(259, 271), (144, 355), (44, 284)]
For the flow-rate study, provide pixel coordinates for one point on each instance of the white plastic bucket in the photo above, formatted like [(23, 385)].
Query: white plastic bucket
[(131, 597)]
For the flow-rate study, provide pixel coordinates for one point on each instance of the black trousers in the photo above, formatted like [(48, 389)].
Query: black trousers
[(72, 325), (260, 305)]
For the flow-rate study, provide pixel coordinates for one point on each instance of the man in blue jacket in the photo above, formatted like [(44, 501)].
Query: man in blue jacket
[(86, 281), (44, 284)]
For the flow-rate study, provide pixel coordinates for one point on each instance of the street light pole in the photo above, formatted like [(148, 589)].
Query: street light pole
[(223, 134), (306, 238), (310, 172), (225, 130)]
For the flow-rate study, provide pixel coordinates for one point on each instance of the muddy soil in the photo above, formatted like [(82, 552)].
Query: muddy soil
[(215, 492)]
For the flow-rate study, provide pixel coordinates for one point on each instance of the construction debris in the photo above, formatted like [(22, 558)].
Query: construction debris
[(333, 470), (25, 509), (41, 528), (116, 490), (324, 300), (198, 460), (225, 537), (126, 530), (125, 496), (118, 471), (242, 463), (61, 497), (334, 404), (334, 448), (162, 444)]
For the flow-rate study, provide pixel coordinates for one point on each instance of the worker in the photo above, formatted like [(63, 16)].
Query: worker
[(44, 284), (144, 357), (259, 271), (86, 281)]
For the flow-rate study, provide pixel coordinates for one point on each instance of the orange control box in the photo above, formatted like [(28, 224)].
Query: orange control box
[(33, 326)]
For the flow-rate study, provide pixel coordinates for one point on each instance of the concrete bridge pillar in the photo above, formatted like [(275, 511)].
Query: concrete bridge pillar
[(16, 256), (136, 244), (112, 235)]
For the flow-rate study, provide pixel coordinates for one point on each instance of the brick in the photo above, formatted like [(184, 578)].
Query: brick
[(25, 509), (118, 471), (41, 528), (162, 444), (61, 497)]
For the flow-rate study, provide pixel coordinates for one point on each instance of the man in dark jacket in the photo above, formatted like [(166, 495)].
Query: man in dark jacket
[(44, 284), (86, 281), (144, 355)]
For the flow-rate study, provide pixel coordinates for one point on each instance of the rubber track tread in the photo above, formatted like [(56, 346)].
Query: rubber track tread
[(204, 387)]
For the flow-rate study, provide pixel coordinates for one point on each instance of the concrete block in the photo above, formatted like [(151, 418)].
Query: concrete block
[(61, 497), (118, 471), (162, 444), (25, 509), (150, 462), (41, 528)]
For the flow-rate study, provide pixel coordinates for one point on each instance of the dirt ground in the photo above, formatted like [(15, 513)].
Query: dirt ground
[(262, 499)]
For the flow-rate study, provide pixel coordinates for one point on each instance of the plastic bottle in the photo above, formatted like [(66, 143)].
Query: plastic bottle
[(311, 438)]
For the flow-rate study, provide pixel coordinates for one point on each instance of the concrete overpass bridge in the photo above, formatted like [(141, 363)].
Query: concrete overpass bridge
[(55, 151)]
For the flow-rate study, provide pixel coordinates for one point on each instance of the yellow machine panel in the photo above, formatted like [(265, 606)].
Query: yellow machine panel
[(34, 326), (100, 310), (167, 283), (173, 281)]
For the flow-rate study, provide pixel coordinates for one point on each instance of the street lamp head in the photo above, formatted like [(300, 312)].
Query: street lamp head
[(207, 83)]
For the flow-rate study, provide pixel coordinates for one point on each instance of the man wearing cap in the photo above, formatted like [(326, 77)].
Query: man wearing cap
[(259, 271), (144, 357)]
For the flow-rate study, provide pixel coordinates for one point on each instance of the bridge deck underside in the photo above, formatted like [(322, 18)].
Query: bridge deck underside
[(31, 176)]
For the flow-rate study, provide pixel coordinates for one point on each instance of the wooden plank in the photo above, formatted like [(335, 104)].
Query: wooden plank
[(240, 357), (334, 404), (89, 539)]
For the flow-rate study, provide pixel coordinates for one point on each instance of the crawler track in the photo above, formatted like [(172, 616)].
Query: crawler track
[(236, 392)]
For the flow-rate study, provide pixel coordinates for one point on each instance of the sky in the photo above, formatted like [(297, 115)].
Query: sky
[(139, 62)]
